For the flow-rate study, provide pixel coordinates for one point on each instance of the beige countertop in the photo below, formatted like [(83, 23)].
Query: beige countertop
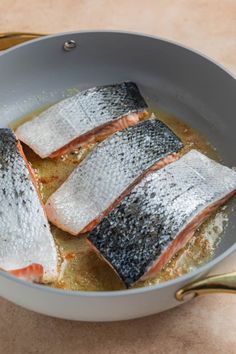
[(204, 325)]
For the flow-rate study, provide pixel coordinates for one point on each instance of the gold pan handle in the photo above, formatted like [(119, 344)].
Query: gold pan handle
[(224, 283), (10, 39)]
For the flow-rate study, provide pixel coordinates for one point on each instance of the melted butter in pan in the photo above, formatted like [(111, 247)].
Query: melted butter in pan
[(82, 268)]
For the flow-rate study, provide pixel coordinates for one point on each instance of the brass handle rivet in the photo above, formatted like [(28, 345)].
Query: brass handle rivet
[(69, 45)]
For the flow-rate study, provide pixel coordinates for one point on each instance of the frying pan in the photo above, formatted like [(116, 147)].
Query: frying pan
[(184, 82)]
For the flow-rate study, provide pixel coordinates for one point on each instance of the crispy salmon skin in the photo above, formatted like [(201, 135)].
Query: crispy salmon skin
[(108, 172), (27, 248), (161, 214), (96, 112)]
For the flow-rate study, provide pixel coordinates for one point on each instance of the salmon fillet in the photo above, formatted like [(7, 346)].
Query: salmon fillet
[(109, 172), (161, 214), (91, 114), (27, 248)]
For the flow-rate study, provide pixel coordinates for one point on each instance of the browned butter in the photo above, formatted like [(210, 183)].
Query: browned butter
[(82, 268)]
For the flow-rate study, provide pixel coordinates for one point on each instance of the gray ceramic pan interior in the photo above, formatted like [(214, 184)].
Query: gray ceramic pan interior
[(185, 84)]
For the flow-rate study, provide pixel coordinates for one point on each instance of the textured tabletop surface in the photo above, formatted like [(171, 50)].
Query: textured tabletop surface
[(204, 325)]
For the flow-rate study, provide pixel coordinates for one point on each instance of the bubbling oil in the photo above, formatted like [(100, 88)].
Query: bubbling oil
[(81, 266)]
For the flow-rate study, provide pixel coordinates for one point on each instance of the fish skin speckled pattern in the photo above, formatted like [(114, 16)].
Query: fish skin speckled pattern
[(78, 115), (25, 236), (136, 233), (108, 171)]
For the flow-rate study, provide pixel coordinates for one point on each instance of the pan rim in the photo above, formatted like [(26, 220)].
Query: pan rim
[(127, 292), (131, 33)]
